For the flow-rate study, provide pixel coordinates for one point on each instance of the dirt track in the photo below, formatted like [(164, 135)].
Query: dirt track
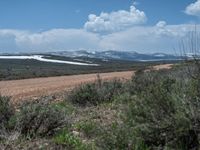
[(22, 89)]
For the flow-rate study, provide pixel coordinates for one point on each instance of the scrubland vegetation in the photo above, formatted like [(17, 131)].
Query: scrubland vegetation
[(23, 69), (153, 110)]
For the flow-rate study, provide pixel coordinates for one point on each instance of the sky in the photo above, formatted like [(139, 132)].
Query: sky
[(144, 26)]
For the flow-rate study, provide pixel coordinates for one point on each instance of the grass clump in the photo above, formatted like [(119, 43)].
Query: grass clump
[(69, 141), (89, 128)]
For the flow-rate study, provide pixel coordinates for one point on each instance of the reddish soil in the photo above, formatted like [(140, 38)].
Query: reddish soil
[(29, 88)]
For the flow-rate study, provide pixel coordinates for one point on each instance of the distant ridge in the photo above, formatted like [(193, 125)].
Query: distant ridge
[(117, 55)]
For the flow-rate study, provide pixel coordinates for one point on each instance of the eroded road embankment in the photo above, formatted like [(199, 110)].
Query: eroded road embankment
[(29, 88)]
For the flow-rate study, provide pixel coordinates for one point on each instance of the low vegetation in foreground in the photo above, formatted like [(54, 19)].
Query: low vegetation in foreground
[(154, 110)]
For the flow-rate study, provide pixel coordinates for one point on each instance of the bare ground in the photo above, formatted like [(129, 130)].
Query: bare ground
[(29, 88)]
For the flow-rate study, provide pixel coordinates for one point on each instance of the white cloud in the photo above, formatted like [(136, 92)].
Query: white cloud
[(115, 21), (161, 24), (193, 9), (158, 38), (57, 39), (147, 39)]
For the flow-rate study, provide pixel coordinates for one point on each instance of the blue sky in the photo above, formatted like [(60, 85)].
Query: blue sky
[(54, 25), (48, 14)]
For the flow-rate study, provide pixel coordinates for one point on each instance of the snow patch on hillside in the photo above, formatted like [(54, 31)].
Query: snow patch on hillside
[(40, 58)]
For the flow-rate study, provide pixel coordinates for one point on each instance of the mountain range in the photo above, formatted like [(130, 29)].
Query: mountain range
[(117, 55)]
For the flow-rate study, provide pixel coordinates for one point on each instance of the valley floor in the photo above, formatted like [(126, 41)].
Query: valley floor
[(30, 88)]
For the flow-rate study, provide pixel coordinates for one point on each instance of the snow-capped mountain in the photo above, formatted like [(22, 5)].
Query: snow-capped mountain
[(117, 55)]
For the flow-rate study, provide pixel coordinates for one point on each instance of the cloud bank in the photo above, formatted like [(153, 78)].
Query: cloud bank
[(158, 38)]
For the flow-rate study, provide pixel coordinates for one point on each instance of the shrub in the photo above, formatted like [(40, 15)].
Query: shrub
[(84, 95), (161, 111), (142, 80), (119, 136), (166, 114), (96, 93), (6, 111), (40, 119), (110, 89)]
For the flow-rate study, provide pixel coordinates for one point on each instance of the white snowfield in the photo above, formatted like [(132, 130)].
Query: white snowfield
[(40, 58)]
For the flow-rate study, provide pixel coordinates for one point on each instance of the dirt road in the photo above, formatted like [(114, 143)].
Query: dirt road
[(22, 89)]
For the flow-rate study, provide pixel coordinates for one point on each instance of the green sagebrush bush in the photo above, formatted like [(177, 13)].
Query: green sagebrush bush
[(166, 113), (142, 80), (162, 113), (6, 111), (119, 136), (40, 119), (96, 93)]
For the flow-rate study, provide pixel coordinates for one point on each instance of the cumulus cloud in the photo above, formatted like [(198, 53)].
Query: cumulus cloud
[(158, 38), (193, 9), (115, 21)]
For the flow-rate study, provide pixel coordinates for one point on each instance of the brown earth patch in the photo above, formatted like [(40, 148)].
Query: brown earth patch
[(29, 88)]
